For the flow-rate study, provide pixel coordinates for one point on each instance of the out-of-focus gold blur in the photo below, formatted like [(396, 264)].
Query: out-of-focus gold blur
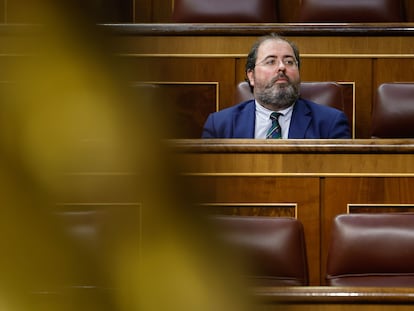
[(77, 149)]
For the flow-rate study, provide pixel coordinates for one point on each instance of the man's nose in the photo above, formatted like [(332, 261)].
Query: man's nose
[(281, 66)]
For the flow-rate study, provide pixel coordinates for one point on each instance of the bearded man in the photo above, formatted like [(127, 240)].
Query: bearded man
[(277, 111)]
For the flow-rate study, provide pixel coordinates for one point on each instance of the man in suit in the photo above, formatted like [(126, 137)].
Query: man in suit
[(272, 70)]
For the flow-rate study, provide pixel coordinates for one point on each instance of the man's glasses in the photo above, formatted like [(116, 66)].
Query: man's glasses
[(272, 62)]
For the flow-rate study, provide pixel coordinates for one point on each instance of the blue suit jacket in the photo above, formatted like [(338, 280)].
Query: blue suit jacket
[(309, 120)]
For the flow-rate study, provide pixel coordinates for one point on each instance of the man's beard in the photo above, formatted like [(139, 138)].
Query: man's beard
[(278, 96)]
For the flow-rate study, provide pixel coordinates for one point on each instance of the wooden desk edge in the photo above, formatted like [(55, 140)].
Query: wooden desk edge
[(293, 146), (248, 29), (330, 294)]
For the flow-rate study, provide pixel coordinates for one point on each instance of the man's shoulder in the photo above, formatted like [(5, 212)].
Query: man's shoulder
[(236, 121), (237, 108)]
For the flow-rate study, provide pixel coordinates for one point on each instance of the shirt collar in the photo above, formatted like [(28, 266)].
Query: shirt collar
[(265, 113)]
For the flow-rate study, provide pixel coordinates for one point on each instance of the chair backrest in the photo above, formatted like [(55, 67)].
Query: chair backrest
[(227, 11), (273, 247), (352, 11), (372, 250), (393, 111), (324, 93)]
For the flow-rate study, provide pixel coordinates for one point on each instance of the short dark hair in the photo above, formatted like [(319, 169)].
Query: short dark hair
[(252, 56)]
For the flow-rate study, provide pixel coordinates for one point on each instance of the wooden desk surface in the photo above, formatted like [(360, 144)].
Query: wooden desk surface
[(327, 294), (334, 298), (358, 157), (296, 145)]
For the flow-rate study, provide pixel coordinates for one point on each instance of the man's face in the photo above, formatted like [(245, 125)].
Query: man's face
[(276, 77)]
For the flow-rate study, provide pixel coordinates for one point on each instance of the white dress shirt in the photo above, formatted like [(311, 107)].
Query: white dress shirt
[(263, 121)]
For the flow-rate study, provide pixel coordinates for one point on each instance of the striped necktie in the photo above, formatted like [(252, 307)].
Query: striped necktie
[(274, 131)]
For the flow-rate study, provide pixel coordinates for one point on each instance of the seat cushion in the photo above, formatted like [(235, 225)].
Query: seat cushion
[(352, 11), (229, 11), (372, 250), (393, 111), (274, 248)]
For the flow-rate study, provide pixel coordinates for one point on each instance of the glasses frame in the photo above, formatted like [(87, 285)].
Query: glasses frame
[(272, 62)]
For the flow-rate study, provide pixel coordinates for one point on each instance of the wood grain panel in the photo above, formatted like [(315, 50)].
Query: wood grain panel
[(162, 10), (365, 45), (3, 15), (104, 11), (238, 45), (253, 209), (297, 163), (185, 106), (143, 11), (184, 45), (393, 70), (329, 69), (380, 208), (348, 92), (409, 10), (173, 70), (303, 192)]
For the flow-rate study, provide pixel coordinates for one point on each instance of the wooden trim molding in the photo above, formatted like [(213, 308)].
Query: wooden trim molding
[(326, 294), (286, 29), (351, 146), (256, 205)]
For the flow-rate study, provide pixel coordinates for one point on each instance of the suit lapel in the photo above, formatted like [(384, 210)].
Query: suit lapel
[(301, 117), (243, 121)]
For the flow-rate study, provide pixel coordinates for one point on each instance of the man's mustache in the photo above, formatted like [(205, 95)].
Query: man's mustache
[(278, 77)]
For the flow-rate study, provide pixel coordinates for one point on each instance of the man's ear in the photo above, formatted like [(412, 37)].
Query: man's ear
[(249, 75)]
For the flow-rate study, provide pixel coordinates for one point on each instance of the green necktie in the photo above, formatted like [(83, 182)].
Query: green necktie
[(275, 131)]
